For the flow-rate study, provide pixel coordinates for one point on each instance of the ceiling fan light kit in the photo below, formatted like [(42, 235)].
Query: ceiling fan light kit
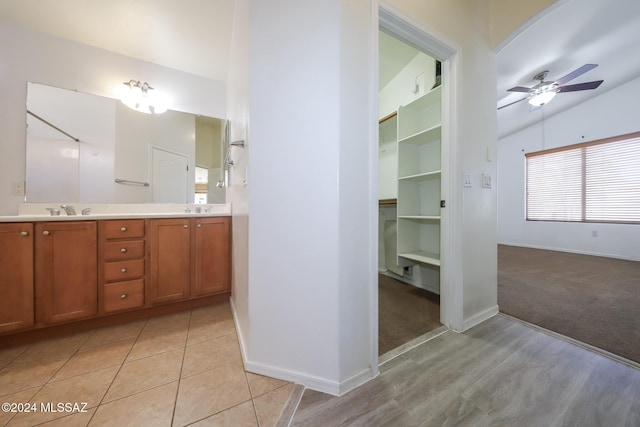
[(545, 91), (542, 95)]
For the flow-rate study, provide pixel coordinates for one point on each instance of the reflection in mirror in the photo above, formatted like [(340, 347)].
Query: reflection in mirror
[(84, 148)]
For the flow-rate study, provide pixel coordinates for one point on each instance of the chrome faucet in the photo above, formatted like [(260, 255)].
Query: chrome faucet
[(70, 210)]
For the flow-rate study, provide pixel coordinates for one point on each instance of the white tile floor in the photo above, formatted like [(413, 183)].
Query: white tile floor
[(174, 370)]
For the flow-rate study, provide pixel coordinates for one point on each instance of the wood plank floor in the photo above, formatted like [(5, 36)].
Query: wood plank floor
[(500, 373)]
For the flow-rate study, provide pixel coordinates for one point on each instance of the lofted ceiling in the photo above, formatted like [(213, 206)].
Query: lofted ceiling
[(567, 35), (193, 36)]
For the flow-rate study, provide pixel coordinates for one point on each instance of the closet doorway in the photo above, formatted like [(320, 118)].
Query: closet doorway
[(409, 194)]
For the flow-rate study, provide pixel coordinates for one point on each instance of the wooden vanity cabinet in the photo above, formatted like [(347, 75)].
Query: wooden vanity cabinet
[(189, 258), (122, 264), (71, 274), (65, 271), (169, 260), (16, 278), (212, 256)]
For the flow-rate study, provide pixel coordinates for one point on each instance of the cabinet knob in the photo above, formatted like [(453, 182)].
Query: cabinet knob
[(186, 226), (46, 233), (24, 233), (123, 270), (123, 250), (123, 229), (123, 296), (199, 225)]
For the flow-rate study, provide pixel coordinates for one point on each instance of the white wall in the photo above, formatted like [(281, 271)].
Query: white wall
[(305, 310), (310, 260), (400, 90), (610, 114), (237, 191), (26, 55)]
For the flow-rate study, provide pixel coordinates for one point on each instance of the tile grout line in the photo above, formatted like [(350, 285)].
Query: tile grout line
[(184, 353), (253, 403), (47, 382), (7, 365), (117, 373)]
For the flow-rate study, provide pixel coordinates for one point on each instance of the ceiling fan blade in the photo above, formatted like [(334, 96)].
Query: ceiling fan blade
[(580, 86), (575, 73), (511, 103), (519, 89)]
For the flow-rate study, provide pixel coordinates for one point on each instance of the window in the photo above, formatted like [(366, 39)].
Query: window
[(596, 181)]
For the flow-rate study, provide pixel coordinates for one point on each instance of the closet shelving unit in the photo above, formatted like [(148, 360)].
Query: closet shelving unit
[(419, 180)]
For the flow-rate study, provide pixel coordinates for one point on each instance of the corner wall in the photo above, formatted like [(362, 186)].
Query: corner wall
[(310, 257), (237, 191)]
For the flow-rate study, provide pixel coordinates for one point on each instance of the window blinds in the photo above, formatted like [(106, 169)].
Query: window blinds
[(597, 181)]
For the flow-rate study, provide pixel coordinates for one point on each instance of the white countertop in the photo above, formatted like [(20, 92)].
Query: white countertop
[(38, 212)]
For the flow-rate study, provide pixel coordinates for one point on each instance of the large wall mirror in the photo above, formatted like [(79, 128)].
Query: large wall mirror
[(84, 148)]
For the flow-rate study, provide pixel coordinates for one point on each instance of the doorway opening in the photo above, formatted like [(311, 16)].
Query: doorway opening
[(416, 296)]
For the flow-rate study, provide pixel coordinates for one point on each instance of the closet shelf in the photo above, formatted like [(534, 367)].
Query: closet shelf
[(430, 258), (421, 176), (420, 217), (431, 134)]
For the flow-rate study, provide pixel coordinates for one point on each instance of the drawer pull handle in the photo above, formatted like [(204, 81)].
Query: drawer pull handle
[(123, 296), (123, 229), (24, 233), (185, 226), (123, 250), (46, 233), (123, 270)]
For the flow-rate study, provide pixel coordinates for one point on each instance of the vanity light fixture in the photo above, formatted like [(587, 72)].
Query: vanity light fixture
[(142, 97)]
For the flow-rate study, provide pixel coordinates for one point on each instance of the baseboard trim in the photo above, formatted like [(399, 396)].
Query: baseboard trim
[(309, 381), (478, 318), (323, 385), (239, 333), (569, 251)]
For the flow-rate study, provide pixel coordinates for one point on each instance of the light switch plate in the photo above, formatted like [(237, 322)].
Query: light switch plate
[(467, 180), (486, 181)]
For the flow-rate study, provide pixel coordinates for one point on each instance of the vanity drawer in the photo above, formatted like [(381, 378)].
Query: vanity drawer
[(130, 249), (123, 270), (123, 228), (123, 295)]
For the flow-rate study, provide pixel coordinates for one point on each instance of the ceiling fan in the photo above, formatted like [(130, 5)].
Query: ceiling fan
[(543, 92)]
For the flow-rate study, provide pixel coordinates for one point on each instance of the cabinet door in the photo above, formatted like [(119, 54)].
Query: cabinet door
[(169, 260), (212, 256), (66, 281), (16, 277)]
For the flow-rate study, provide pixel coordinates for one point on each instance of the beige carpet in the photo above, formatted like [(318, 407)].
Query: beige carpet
[(404, 312), (592, 299)]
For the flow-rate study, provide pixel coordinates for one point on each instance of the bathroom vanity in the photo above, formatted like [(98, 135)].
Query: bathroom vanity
[(67, 273)]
